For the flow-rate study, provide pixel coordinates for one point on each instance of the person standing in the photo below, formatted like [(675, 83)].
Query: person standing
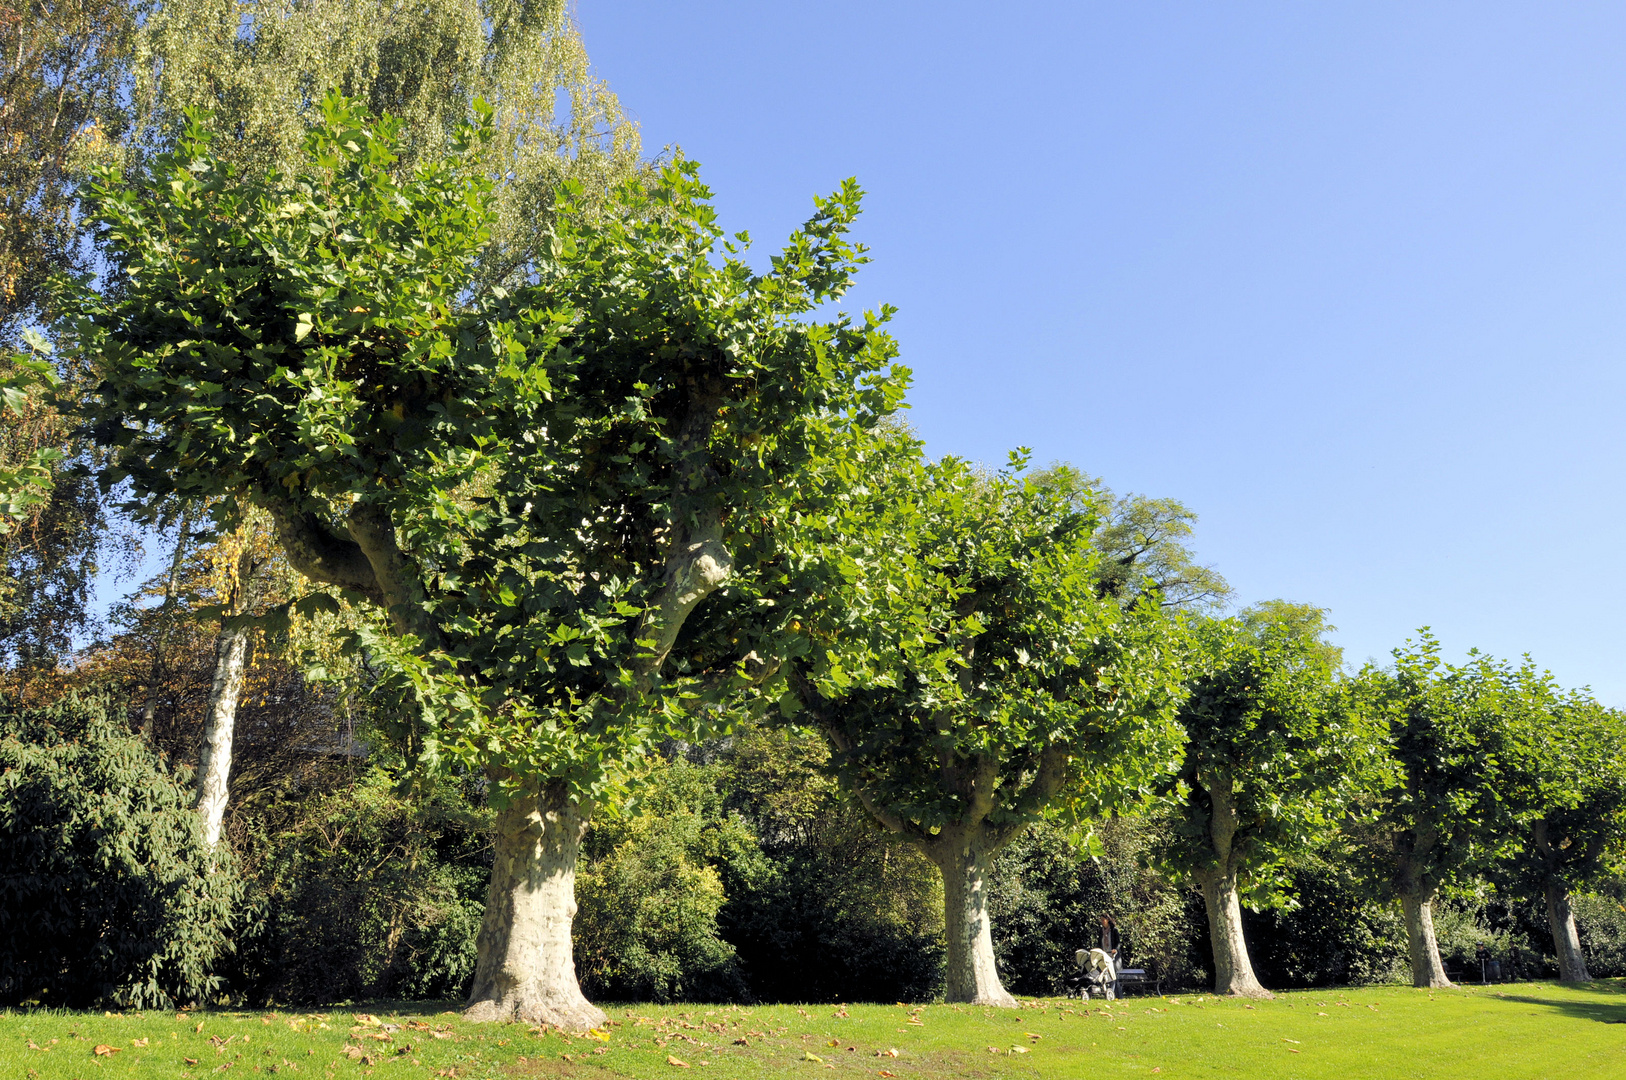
[(1109, 945)]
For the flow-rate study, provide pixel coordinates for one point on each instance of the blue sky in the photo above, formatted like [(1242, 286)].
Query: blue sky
[(1347, 279)]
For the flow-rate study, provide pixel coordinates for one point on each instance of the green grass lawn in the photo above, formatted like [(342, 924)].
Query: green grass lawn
[(1522, 1031)]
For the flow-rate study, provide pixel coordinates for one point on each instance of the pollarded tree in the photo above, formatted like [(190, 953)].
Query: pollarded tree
[(970, 678), (536, 491), (1567, 772), (1272, 746), (1437, 807)]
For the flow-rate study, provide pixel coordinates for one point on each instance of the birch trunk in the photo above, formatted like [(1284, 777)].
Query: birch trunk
[(1566, 942), (526, 970), (219, 722), (1424, 949), (972, 974)]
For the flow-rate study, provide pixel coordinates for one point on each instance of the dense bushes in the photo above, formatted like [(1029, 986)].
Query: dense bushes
[(107, 894), (739, 873), (363, 893)]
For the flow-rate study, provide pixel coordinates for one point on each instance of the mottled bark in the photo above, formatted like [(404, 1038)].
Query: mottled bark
[(1233, 968), (1566, 942), (971, 973), (525, 970), (1421, 945)]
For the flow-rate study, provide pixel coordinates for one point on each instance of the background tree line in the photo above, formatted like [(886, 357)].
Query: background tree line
[(529, 554)]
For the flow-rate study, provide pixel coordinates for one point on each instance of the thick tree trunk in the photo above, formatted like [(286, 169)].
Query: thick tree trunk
[(1233, 969), (972, 975), (219, 723), (1426, 968), (525, 969), (1566, 942)]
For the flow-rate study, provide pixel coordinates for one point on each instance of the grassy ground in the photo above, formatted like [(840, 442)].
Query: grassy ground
[(1518, 1032)]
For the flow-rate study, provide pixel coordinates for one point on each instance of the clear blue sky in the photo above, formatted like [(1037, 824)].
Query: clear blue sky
[(1348, 279)]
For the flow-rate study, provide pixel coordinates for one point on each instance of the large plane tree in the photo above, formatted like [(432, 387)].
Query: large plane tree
[(971, 679), (534, 490)]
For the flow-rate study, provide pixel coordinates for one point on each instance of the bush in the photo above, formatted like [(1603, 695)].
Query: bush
[(107, 893), (1335, 935), (649, 888), (840, 911), (1047, 900), (365, 893)]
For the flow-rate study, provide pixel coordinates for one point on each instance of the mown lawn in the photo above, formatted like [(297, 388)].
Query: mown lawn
[(1521, 1032)]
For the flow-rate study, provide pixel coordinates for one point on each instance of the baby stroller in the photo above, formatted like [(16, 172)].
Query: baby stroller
[(1095, 975)]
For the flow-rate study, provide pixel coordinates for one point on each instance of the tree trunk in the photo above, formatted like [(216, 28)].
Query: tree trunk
[(219, 722), (1233, 970), (972, 976), (1566, 942), (1426, 969), (525, 969)]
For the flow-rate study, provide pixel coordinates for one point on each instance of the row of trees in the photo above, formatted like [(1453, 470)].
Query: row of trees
[(504, 431)]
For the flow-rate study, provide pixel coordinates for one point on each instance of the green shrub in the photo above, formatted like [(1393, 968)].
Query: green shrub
[(1334, 935), (649, 888), (1047, 900), (107, 894), (365, 893), (841, 911)]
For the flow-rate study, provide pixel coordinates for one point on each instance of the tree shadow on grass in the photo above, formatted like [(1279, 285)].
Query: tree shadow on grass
[(1605, 1004)]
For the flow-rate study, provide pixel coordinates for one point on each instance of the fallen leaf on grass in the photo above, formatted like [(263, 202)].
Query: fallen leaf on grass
[(883, 1072), (1290, 1050), (190, 1061), (1019, 1049), (1290, 1040), (993, 1049), (599, 1034), (833, 1042), (198, 1028), (670, 1060), (916, 1023), (808, 1055), (893, 1052), (742, 1042), (103, 1050)]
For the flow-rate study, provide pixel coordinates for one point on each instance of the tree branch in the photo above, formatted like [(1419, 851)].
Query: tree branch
[(320, 553)]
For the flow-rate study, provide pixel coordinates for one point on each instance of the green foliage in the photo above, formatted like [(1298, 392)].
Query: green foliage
[(1142, 542), (1332, 934), (650, 885), (1565, 769), (1047, 901), (107, 894), (969, 671), (360, 893), (64, 65), (1273, 749), (1437, 805), (841, 911), (529, 487), (255, 66)]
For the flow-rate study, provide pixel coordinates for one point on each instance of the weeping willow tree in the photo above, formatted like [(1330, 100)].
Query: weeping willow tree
[(262, 69)]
